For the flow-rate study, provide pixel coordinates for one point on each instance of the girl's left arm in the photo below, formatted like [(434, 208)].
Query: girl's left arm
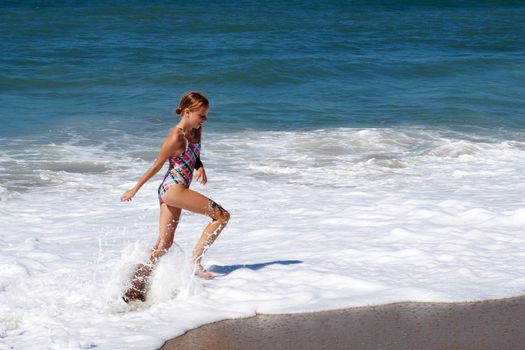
[(200, 173)]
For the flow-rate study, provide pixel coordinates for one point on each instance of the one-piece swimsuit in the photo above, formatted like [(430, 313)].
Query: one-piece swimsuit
[(181, 168)]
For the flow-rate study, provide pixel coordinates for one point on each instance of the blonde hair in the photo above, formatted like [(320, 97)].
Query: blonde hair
[(192, 100)]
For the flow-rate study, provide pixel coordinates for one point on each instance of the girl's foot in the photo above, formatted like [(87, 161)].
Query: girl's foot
[(202, 273), (137, 290), (133, 294)]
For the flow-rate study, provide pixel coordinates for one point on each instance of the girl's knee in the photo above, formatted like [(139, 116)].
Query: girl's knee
[(225, 216), (218, 213)]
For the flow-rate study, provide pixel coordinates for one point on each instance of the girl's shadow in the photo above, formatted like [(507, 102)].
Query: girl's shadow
[(227, 269)]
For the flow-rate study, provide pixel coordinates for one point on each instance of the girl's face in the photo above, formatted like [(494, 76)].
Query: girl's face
[(198, 117)]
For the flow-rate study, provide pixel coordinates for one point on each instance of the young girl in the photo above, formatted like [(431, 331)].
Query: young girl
[(182, 148)]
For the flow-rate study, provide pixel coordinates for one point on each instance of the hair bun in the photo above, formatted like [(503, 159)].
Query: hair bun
[(178, 110)]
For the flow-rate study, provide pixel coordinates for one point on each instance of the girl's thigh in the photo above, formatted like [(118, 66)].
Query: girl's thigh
[(182, 197)]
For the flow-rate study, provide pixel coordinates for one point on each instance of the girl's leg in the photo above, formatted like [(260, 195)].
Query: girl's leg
[(168, 220), (182, 197)]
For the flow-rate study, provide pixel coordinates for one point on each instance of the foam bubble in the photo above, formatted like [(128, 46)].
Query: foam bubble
[(455, 149), (173, 278)]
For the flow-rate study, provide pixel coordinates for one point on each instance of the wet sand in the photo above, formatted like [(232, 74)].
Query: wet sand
[(492, 324)]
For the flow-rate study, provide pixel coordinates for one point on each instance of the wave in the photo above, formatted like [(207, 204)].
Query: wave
[(334, 157)]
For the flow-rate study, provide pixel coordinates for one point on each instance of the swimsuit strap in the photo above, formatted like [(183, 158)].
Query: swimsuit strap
[(181, 129)]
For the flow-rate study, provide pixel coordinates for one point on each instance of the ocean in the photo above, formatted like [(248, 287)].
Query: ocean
[(368, 151)]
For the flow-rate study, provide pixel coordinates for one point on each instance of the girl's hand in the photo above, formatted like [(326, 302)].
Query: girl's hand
[(128, 195), (200, 175)]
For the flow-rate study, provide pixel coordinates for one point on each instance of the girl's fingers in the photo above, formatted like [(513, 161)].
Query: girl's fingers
[(126, 197)]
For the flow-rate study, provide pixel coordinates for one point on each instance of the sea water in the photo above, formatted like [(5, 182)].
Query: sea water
[(369, 152)]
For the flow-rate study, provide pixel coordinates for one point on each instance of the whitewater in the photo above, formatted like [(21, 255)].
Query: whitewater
[(321, 219)]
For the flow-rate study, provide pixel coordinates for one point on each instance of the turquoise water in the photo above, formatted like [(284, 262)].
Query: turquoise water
[(274, 66)]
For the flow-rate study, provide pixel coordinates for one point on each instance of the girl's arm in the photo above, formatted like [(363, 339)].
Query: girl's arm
[(174, 144), (198, 163), (200, 173)]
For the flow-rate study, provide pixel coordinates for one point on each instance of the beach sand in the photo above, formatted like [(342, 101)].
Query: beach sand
[(491, 324)]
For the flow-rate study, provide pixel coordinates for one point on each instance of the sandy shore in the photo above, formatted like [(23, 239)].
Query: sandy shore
[(492, 324)]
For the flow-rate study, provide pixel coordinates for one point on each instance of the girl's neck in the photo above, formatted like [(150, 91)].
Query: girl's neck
[(185, 129)]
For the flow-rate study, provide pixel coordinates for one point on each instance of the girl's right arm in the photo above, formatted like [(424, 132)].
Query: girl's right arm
[(174, 144)]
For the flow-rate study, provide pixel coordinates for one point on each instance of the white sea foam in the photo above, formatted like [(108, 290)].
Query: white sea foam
[(320, 220)]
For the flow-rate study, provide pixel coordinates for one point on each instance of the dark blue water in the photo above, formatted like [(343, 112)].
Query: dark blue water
[(296, 65)]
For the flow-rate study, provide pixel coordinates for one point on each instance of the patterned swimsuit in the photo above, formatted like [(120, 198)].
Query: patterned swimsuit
[(181, 168)]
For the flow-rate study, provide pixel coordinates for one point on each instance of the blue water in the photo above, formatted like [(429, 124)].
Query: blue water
[(297, 65)]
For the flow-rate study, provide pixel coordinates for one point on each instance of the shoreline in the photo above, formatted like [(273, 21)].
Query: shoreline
[(478, 325)]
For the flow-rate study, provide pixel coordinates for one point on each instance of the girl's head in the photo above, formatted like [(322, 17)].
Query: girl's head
[(191, 101), (193, 106)]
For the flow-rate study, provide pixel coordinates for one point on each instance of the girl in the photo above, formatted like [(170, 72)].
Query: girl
[(182, 148)]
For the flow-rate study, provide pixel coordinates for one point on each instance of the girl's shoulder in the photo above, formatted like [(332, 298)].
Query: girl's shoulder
[(175, 135)]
